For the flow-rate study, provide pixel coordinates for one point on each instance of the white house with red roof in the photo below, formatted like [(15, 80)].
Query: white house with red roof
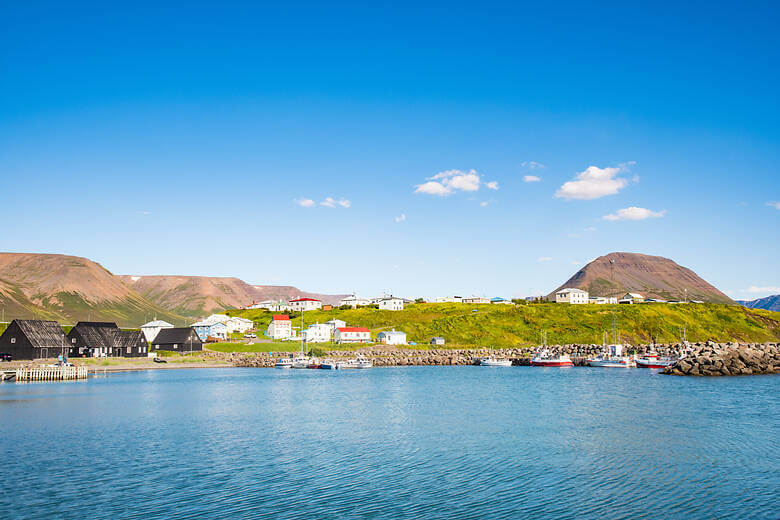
[(305, 304), (280, 327), (352, 335)]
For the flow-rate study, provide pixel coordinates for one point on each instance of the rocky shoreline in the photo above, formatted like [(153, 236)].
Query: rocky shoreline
[(701, 359)]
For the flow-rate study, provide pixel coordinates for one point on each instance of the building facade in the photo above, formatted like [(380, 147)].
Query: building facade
[(391, 304), (280, 327), (151, 329), (392, 337), (572, 296), (352, 335), (305, 304)]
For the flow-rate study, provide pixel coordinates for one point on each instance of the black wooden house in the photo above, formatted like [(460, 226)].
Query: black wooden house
[(181, 339), (34, 339), (105, 339)]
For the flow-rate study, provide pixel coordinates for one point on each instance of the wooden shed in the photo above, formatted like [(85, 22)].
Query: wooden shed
[(105, 339), (34, 339), (180, 339)]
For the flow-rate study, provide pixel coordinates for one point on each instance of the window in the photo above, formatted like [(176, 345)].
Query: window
[(73, 341), (13, 340), (129, 350), (175, 345)]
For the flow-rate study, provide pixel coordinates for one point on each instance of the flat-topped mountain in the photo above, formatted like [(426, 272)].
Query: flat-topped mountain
[(198, 295), (652, 276), (69, 289)]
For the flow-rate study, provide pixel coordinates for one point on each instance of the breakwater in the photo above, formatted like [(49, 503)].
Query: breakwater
[(728, 359)]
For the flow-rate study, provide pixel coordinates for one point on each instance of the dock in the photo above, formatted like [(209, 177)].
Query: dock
[(56, 373)]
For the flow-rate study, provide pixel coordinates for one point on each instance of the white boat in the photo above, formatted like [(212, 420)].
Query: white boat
[(349, 363), (284, 363), (545, 358), (612, 358), (493, 361), (652, 360), (364, 363), (301, 361)]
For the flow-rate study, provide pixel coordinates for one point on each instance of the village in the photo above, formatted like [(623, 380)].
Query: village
[(42, 339)]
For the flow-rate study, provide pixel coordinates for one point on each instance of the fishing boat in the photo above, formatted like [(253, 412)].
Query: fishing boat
[(545, 358), (328, 364), (493, 361), (364, 363), (652, 360), (612, 358), (301, 361), (314, 363), (284, 363), (349, 363)]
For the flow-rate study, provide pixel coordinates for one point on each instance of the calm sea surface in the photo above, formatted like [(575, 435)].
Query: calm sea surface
[(415, 442)]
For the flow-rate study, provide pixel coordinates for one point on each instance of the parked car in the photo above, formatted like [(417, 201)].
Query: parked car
[(5, 356)]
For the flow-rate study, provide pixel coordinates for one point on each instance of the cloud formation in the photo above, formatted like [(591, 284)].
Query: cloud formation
[(304, 203), (401, 217), (634, 213), (531, 178), (775, 205), (533, 165), (544, 259), (330, 202), (593, 183), (759, 290), (448, 182)]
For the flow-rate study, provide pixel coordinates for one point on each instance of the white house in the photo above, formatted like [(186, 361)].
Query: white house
[(391, 303), (334, 324), (392, 337), (237, 324), (475, 300), (317, 333), (501, 301), (355, 302), (632, 298), (438, 340), (280, 327), (152, 328), (305, 304), (571, 295), (352, 335), (448, 299)]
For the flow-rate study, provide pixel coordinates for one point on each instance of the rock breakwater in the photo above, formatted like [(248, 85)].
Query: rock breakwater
[(728, 359)]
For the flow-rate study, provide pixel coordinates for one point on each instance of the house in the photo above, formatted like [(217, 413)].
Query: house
[(501, 301), (105, 339), (131, 343), (305, 304), (317, 333), (438, 340), (271, 305), (391, 303), (392, 337), (448, 299), (630, 298), (475, 300), (334, 324), (210, 329), (177, 339), (352, 335), (597, 300), (151, 329), (34, 339), (572, 296), (654, 300), (280, 327), (354, 301), (238, 324)]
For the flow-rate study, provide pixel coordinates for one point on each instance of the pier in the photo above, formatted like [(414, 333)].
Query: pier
[(55, 373)]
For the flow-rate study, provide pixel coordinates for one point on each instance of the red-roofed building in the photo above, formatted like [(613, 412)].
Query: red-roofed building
[(305, 304), (280, 327), (352, 335)]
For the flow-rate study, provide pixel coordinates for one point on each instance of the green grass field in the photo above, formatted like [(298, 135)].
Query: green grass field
[(464, 325)]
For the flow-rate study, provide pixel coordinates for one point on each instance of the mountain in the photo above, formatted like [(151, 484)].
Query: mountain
[(652, 276), (69, 289), (770, 303), (201, 295)]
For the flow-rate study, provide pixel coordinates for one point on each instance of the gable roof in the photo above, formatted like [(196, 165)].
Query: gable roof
[(95, 333), (178, 335), (129, 338), (280, 317), (157, 323), (352, 329), (305, 300), (42, 333)]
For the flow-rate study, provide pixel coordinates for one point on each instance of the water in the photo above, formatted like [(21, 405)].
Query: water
[(416, 442)]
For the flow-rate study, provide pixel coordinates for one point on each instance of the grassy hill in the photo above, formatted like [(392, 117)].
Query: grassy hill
[(505, 325)]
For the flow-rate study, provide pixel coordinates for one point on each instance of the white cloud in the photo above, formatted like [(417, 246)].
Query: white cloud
[(775, 205), (757, 290), (593, 183), (634, 213), (589, 229), (533, 165), (484, 203), (144, 212), (305, 203), (450, 181), (544, 259), (330, 202), (401, 218), (531, 178), (577, 263)]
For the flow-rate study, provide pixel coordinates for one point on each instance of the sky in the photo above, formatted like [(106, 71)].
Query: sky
[(486, 148)]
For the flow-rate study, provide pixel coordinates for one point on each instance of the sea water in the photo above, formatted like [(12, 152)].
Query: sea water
[(406, 442)]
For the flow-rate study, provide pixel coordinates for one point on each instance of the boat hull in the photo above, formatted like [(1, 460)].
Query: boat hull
[(609, 364), (652, 364), (543, 363), (504, 363)]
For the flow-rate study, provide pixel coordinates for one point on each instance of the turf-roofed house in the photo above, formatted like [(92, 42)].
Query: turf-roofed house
[(105, 339), (34, 339), (179, 339)]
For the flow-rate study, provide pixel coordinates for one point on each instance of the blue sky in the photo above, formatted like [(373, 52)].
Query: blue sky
[(204, 139)]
